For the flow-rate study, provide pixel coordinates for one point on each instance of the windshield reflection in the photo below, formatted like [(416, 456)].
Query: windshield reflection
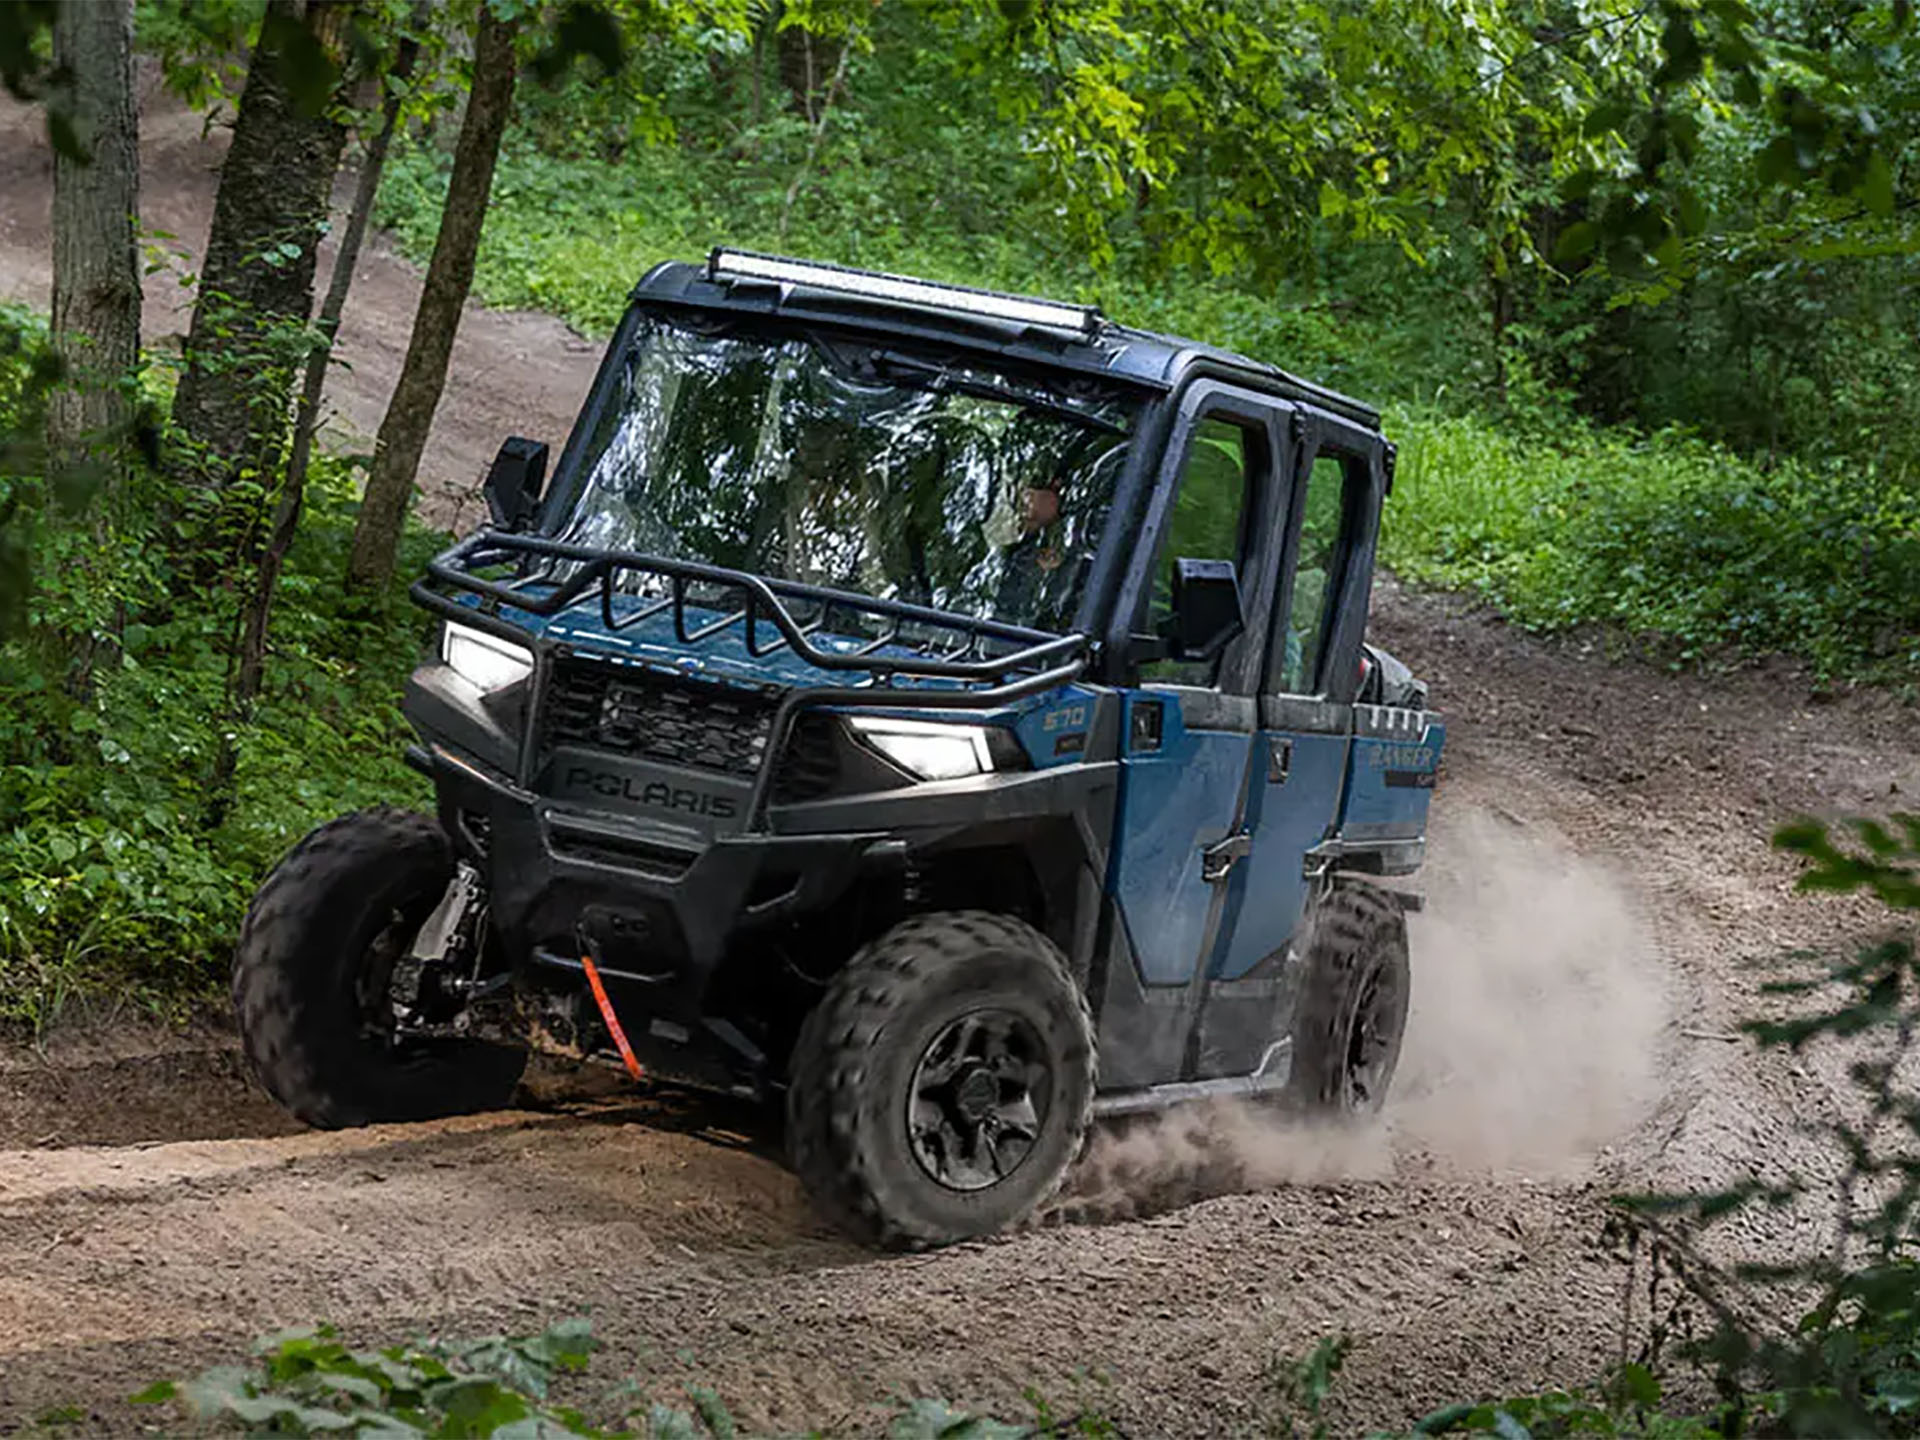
[(833, 466)]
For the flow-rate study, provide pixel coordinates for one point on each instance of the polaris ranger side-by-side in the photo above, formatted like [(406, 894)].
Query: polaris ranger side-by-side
[(942, 714)]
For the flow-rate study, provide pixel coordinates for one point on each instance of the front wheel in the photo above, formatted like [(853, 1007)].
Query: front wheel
[(944, 1084), (313, 976)]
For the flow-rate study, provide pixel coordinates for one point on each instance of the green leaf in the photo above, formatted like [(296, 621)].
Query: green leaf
[(1606, 118), (158, 1393), (300, 61), (64, 138), (1637, 1386), (585, 30), (1690, 209), (1576, 242), (1876, 185), (1446, 1419)]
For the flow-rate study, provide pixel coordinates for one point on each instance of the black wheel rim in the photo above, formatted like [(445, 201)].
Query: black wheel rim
[(1373, 1043), (979, 1099), (374, 977), (387, 981)]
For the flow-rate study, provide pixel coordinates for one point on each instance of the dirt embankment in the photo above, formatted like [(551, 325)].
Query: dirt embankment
[(1602, 891)]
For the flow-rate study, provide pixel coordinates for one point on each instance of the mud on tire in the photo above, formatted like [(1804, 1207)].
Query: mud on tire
[(901, 1042), (296, 976), (1352, 1011)]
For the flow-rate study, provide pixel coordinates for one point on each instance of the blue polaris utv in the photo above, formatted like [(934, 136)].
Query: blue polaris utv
[(942, 715)]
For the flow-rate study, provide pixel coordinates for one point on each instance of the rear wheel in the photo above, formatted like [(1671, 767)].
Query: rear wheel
[(944, 1084), (314, 980), (1352, 1012)]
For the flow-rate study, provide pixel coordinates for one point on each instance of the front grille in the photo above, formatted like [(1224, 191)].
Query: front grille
[(694, 724)]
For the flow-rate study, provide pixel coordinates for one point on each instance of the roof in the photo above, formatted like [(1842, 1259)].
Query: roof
[(1103, 347)]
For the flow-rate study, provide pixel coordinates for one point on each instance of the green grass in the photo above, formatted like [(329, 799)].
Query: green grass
[(1661, 536), (1556, 522)]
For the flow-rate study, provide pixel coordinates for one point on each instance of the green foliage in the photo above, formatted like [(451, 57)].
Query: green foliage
[(309, 1382), (1630, 1410), (1555, 520), (28, 371), (110, 876), (1305, 1383), (1664, 535)]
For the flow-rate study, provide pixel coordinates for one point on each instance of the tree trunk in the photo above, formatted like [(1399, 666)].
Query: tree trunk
[(256, 282), (819, 132), (806, 60), (96, 285), (1500, 291), (286, 519), (423, 375), (96, 266)]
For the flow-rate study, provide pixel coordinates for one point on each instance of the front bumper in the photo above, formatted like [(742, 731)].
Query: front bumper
[(662, 909)]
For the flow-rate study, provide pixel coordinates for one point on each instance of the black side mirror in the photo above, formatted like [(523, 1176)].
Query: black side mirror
[(514, 481), (1207, 613)]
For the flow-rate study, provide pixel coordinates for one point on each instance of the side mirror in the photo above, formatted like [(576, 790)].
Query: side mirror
[(1207, 614), (514, 481)]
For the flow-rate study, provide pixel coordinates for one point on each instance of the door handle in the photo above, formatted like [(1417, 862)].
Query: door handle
[(1279, 760), (1220, 857)]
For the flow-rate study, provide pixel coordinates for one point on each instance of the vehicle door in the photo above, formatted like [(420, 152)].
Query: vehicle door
[(1305, 719), (1189, 727)]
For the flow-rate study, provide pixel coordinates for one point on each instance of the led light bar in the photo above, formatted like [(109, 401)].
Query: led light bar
[(1081, 320)]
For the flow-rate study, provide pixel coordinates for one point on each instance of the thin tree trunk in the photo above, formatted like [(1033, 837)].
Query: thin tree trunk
[(827, 99), (423, 375), (257, 278), (794, 46), (1500, 287), (96, 267), (286, 520), (96, 279), (804, 58)]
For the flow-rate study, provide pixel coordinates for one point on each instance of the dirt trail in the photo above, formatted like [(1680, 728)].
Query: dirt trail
[(512, 372), (1600, 880), (1601, 884)]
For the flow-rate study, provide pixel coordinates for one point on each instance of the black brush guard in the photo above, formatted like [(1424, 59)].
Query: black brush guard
[(1031, 663)]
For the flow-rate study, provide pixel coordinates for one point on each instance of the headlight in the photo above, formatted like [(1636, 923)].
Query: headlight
[(931, 749), (482, 660)]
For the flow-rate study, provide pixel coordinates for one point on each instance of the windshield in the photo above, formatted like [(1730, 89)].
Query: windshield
[(856, 468)]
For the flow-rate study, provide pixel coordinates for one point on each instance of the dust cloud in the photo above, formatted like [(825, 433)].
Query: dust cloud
[(1533, 1043), (1538, 1005)]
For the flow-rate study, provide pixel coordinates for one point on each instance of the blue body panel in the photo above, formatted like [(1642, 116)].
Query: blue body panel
[(1268, 890), (1174, 801), (1053, 729), (1391, 785)]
